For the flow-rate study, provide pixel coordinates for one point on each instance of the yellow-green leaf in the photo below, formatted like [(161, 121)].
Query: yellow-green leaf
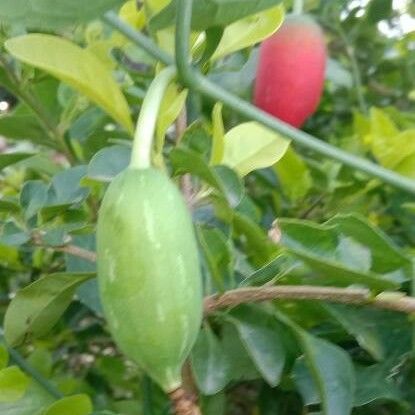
[(293, 175), (154, 6), (4, 356), (251, 146), (13, 384), (249, 31), (71, 405), (75, 66), (173, 103)]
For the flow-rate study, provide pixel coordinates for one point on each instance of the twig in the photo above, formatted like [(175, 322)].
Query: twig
[(77, 251), (183, 404), (356, 296), (396, 301)]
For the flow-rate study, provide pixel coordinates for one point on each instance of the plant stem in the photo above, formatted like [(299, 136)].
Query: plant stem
[(357, 296), (298, 6), (146, 124)]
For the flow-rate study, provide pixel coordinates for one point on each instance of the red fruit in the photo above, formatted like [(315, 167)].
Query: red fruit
[(291, 68)]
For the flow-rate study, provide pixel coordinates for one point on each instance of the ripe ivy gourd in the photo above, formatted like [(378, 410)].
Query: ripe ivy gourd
[(148, 266)]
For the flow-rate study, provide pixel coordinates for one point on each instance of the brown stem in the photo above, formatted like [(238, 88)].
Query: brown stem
[(395, 301), (357, 296), (183, 403), (77, 251)]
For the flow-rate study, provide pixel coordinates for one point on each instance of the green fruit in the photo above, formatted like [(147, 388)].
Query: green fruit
[(148, 272)]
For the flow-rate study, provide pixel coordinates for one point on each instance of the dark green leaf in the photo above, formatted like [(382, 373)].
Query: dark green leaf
[(209, 363), (12, 235), (373, 383), (12, 158), (36, 308), (108, 162), (342, 261), (217, 251), (210, 13), (325, 374), (65, 188), (379, 10), (358, 324), (260, 335), (52, 14), (33, 197)]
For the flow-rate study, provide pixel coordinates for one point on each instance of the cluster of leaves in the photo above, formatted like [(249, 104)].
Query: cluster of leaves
[(79, 85)]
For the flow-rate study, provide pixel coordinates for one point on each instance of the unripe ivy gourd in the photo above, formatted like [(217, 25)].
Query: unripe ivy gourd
[(148, 272)]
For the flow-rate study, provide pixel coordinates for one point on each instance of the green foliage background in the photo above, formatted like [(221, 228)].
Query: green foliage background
[(76, 86)]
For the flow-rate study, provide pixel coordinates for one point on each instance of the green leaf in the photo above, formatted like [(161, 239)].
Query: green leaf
[(33, 197), (249, 31), (76, 404), (375, 383), (4, 356), (294, 175), (108, 162), (13, 235), (386, 256), (250, 146), (357, 323), (33, 401), (272, 271), (173, 102), (379, 10), (41, 360), (12, 158), (260, 335), (334, 256), (209, 13), (209, 363), (325, 374), (52, 14), (241, 366), (21, 124), (218, 253), (220, 178), (258, 245), (392, 148), (75, 66), (36, 308), (13, 384), (65, 188), (218, 135)]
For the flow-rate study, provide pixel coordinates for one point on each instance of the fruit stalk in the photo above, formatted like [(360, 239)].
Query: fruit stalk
[(147, 120), (298, 6), (183, 403)]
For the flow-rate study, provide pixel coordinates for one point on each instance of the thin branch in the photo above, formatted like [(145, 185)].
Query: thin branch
[(77, 251), (395, 301), (356, 296)]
